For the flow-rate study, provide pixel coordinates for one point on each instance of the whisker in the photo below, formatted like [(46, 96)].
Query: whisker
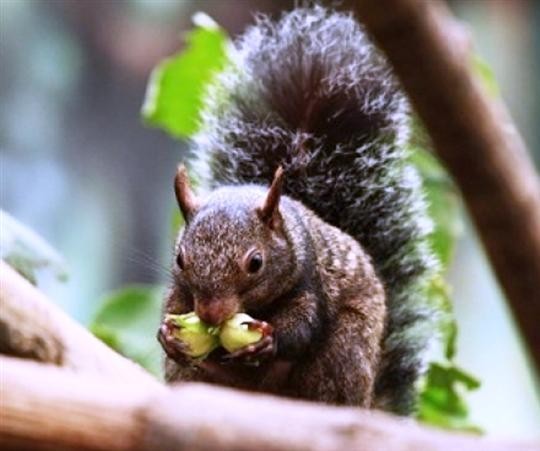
[(143, 259), (153, 269)]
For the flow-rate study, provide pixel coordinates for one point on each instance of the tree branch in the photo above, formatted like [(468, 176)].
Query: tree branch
[(33, 327), (475, 138), (46, 407), (111, 404)]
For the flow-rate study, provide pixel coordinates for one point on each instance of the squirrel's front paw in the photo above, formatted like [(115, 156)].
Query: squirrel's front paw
[(258, 352), (174, 348)]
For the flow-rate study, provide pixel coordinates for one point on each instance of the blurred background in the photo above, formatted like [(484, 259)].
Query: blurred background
[(78, 166)]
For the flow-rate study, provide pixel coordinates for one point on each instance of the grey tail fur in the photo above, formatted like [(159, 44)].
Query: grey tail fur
[(310, 92)]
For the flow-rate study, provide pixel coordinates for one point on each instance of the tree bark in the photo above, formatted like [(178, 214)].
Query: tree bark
[(474, 137), (33, 327), (45, 407)]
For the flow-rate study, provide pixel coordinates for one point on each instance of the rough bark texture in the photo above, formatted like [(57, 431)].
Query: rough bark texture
[(474, 137)]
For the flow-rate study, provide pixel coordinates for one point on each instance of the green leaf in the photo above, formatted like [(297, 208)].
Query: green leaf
[(442, 391), (441, 402), (27, 252), (177, 86), (444, 204), (128, 319), (438, 293)]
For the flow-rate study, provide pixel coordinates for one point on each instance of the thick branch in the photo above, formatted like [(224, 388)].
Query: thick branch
[(112, 405), (46, 407), (33, 327), (475, 138)]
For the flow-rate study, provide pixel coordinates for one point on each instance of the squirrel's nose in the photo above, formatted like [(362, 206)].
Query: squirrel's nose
[(214, 311)]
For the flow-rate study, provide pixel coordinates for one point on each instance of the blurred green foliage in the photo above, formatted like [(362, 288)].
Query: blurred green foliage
[(128, 320), (177, 85), (486, 75), (441, 399), (443, 200)]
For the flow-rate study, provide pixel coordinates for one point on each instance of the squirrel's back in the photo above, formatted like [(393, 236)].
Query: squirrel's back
[(311, 93)]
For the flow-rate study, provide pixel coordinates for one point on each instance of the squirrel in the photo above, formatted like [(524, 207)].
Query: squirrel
[(315, 223)]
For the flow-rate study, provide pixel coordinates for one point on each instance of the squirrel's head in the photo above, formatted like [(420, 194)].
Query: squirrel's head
[(234, 253)]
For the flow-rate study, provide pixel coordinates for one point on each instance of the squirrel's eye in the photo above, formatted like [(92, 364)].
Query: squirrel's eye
[(255, 262), (180, 259)]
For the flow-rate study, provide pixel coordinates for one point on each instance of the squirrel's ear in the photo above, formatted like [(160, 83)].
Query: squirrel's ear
[(187, 201), (269, 211)]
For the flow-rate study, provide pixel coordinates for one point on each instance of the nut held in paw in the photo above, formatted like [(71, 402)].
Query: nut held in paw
[(200, 338), (235, 333)]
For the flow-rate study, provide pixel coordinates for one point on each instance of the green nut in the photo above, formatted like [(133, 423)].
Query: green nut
[(200, 338), (235, 335)]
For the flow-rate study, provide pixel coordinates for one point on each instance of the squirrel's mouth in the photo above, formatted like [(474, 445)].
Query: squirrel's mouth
[(215, 311)]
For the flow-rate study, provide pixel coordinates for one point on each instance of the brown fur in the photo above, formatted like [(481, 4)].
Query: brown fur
[(318, 289)]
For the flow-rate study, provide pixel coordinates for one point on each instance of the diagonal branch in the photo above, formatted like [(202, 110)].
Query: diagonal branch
[(33, 327), (475, 138)]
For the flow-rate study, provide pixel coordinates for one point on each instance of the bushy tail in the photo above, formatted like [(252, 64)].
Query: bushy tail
[(311, 93)]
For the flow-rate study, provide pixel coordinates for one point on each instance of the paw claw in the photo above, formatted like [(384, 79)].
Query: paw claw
[(265, 328)]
